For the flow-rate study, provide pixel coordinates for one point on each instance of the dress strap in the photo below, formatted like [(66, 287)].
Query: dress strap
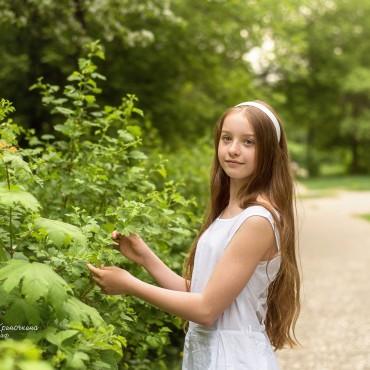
[(255, 211)]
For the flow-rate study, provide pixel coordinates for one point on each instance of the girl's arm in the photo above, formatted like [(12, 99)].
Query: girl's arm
[(163, 275), (135, 249), (248, 246)]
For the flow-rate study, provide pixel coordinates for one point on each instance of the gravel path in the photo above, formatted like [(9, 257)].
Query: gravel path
[(334, 325)]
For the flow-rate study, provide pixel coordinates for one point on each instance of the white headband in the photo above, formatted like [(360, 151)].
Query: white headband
[(266, 111)]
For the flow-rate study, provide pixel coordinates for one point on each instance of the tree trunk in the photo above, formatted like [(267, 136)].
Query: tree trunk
[(311, 160), (354, 166)]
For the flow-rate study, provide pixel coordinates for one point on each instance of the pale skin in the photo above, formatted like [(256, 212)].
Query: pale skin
[(252, 243)]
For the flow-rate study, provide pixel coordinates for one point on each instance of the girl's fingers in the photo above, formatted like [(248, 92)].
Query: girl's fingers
[(99, 283), (97, 279), (93, 269), (116, 234), (115, 246)]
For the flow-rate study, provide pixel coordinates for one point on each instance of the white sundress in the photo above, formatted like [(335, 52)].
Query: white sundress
[(237, 340)]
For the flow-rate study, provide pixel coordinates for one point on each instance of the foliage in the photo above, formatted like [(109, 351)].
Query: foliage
[(183, 69), (69, 189), (321, 68), (21, 355), (186, 71), (191, 167)]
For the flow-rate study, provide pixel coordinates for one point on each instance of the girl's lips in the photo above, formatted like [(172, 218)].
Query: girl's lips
[(231, 163)]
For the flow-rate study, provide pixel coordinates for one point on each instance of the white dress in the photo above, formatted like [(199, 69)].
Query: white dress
[(237, 340)]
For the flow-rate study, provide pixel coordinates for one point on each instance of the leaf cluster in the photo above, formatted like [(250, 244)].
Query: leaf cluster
[(59, 201)]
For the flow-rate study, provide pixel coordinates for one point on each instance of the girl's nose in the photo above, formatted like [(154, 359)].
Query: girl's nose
[(234, 148)]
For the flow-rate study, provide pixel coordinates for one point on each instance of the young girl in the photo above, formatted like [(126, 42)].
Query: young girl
[(240, 290)]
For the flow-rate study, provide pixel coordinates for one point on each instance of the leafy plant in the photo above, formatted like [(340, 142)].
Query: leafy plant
[(60, 199)]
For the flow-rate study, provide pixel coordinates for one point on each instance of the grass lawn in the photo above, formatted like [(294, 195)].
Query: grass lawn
[(329, 183), (365, 216)]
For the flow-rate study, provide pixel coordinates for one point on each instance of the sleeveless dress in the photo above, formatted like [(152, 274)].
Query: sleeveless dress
[(237, 340)]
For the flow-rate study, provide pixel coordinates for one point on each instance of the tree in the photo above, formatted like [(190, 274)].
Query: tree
[(321, 61)]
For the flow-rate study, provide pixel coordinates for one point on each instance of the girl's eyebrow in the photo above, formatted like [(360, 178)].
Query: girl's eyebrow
[(228, 132)]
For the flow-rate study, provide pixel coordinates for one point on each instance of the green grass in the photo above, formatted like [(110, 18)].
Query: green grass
[(318, 193), (365, 216), (332, 183)]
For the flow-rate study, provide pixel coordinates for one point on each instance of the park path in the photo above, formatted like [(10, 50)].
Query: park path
[(334, 325)]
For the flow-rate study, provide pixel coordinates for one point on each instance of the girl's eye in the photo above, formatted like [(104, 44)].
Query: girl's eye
[(247, 142)]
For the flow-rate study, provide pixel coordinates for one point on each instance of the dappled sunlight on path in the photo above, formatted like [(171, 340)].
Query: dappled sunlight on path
[(334, 326)]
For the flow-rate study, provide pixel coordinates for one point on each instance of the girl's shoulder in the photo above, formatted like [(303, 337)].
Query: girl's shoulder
[(252, 210), (265, 201), (260, 210), (267, 205)]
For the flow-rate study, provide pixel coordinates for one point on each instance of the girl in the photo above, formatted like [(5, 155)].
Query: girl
[(240, 290)]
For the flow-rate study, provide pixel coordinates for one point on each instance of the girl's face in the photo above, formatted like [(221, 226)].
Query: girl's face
[(237, 146)]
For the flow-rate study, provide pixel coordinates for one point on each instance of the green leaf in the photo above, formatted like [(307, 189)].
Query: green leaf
[(75, 76), (134, 130), (15, 195), (21, 311), (98, 76), (77, 360), (162, 171), (61, 233), (16, 162), (79, 311), (100, 54), (90, 99), (125, 136), (21, 355), (38, 280), (180, 231), (47, 137), (59, 337), (34, 365), (136, 154), (64, 111), (101, 365)]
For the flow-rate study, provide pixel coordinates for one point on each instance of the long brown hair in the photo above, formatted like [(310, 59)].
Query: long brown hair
[(272, 178)]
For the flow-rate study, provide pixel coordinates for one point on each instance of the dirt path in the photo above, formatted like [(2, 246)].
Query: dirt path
[(334, 326)]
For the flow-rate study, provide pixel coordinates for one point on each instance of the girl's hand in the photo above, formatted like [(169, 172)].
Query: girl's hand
[(112, 279), (132, 247)]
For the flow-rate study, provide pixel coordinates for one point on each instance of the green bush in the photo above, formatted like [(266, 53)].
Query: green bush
[(190, 166), (60, 198)]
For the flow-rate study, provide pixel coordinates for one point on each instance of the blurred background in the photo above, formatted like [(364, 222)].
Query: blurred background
[(187, 61)]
